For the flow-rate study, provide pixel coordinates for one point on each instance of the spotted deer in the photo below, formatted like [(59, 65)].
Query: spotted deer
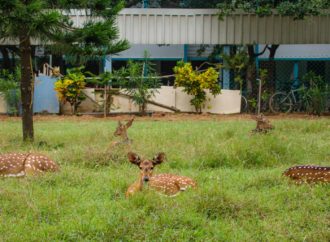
[(308, 173), (121, 131), (21, 164), (263, 124), (167, 184)]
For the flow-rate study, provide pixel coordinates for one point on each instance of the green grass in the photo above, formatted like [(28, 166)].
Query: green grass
[(241, 194)]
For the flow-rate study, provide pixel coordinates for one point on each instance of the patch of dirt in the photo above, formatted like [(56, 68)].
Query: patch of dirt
[(160, 116)]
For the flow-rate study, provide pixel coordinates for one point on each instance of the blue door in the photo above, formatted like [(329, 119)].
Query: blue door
[(45, 98)]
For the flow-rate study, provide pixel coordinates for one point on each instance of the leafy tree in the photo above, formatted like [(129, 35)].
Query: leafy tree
[(48, 22), (69, 88), (238, 63), (139, 80), (298, 9), (195, 83)]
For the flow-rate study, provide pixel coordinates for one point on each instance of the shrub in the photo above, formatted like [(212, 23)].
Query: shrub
[(315, 94), (69, 88), (195, 83)]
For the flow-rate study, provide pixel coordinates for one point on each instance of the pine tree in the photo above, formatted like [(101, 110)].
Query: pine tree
[(48, 22)]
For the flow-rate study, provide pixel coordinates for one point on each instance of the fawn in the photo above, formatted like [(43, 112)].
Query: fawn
[(308, 173), (121, 131), (21, 164), (168, 184), (263, 124)]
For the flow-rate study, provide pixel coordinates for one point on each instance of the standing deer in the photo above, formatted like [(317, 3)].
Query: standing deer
[(263, 124), (308, 173), (121, 131), (168, 184), (21, 164)]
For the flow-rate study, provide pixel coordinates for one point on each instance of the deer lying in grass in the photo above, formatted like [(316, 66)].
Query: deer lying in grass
[(121, 131), (21, 164), (263, 124), (168, 184), (308, 173)]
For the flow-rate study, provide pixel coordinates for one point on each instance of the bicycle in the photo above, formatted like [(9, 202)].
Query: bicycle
[(250, 105), (285, 102)]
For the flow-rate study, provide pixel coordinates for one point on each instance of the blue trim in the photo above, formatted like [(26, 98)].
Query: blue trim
[(145, 3), (202, 59), (185, 53), (104, 63), (226, 73), (296, 59), (296, 74), (296, 70), (108, 63), (257, 60)]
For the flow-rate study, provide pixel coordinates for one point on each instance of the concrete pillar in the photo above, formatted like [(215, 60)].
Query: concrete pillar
[(107, 63), (145, 3), (185, 53), (226, 73), (296, 81)]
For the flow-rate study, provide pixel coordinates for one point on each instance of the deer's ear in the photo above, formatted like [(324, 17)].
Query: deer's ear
[(129, 123), (119, 123), (159, 158), (133, 158)]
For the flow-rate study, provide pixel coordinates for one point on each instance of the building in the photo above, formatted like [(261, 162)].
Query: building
[(169, 35)]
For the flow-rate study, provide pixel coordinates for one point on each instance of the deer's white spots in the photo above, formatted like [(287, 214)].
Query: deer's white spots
[(308, 173), (17, 164)]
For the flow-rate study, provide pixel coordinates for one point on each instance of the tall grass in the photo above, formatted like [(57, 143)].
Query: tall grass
[(241, 194)]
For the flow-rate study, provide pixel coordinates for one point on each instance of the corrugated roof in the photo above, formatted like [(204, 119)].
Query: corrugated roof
[(202, 26)]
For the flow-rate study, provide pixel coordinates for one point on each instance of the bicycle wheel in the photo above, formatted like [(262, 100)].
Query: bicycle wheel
[(280, 102), (244, 104)]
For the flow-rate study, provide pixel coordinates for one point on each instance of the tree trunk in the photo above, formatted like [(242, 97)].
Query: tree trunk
[(143, 108), (26, 87)]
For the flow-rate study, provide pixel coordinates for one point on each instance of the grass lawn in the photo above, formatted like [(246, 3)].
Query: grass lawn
[(241, 194)]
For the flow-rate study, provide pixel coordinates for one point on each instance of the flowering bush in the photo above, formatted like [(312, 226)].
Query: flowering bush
[(195, 83), (69, 88)]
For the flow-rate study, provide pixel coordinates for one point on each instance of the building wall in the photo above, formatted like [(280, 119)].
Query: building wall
[(228, 102), (3, 105), (300, 51)]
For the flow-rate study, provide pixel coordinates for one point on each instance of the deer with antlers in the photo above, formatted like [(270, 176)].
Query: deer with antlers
[(167, 184), (263, 124), (308, 173), (22, 164)]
